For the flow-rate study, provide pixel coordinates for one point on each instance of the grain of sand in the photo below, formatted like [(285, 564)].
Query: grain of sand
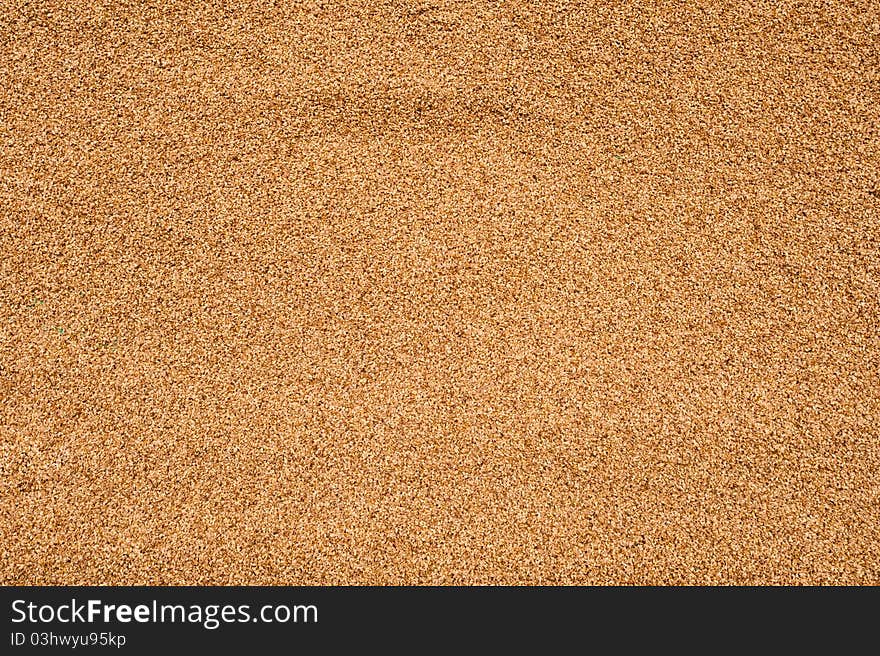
[(439, 292)]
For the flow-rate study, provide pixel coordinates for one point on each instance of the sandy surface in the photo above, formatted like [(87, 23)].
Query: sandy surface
[(450, 292)]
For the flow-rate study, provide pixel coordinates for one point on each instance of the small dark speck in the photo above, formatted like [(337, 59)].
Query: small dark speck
[(875, 193), (415, 13)]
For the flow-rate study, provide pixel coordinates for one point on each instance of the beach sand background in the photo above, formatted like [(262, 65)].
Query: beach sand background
[(445, 292)]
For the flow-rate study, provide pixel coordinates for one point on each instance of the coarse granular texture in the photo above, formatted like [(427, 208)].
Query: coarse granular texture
[(444, 292)]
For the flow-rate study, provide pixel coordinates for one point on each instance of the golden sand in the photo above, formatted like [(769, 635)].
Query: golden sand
[(449, 292)]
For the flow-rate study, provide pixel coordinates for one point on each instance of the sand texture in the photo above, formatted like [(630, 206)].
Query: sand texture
[(439, 292)]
